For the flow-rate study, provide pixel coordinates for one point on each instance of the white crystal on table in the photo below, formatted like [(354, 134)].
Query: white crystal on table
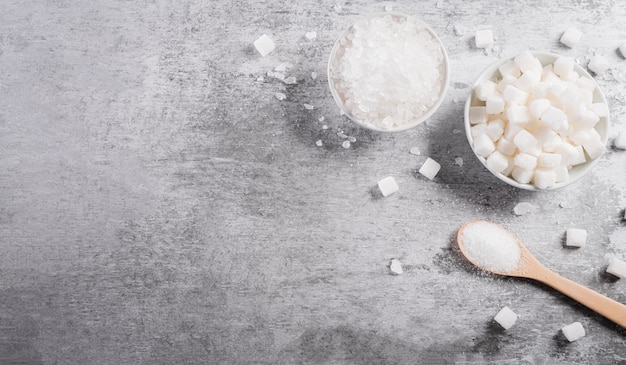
[(280, 96), (311, 35), (319, 143), (387, 185), (308, 106), (598, 64), (573, 331), (483, 38), (523, 208), (395, 267), (620, 141), (506, 318), (430, 168), (575, 237), (264, 45), (617, 268), (571, 37)]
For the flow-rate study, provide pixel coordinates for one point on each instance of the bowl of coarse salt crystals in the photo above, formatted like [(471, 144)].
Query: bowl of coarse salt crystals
[(537, 121), (388, 72)]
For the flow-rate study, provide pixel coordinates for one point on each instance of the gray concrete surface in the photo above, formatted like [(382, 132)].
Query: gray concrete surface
[(158, 205)]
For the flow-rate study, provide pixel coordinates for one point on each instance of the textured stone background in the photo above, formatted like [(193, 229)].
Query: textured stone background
[(158, 205)]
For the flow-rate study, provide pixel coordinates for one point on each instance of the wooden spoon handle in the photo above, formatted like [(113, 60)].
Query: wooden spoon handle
[(609, 308)]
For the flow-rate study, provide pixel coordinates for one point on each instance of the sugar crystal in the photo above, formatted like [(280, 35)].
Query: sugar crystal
[(491, 247)]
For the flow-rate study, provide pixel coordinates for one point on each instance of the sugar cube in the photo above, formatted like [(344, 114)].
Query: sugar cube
[(573, 331), (518, 114), (567, 151), (524, 140), (575, 237), (620, 141), (579, 137), (579, 157), (563, 66), (571, 37), (594, 146), (485, 89), (526, 61), (430, 168), (264, 45), (598, 64), (497, 162), (311, 35), (538, 107), (506, 318), (617, 268), (562, 174), (554, 117), (509, 68), (388, 186), (544, 178), (483, 38), (549, 160), (514, 95), (483, 145), (495, 129), (586, 83), (525, 161), (521, 175), (495, 104), (600, 109), (505, 146), (544, 135), (478, 129), (395, 267), (528, 79), (477, 114)]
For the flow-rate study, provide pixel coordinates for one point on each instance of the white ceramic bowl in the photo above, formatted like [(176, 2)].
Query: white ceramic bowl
[(576, 172), (333, 59)]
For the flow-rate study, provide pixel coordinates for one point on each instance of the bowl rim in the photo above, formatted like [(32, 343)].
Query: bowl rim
[(489, 73), (425, 116)]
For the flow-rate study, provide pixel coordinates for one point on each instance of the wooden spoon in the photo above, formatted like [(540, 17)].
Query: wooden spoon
[(528, 267)]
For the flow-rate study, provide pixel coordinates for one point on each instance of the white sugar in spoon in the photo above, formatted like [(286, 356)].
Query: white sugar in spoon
[(494, 249)]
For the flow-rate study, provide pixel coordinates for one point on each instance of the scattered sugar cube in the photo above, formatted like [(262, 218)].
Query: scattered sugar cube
[(573, 331), (598, 64), (483, 38), (387, 185), (310, 35), (264, 45), (506, 318), (430, 168), (497, 162), (319, 143), (477, 115), (395, 267), (617, 268), (575, 237), (620, 141), (571, 37), (483, 145)]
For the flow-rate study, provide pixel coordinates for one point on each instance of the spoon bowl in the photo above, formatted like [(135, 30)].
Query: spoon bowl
[(478, 235)]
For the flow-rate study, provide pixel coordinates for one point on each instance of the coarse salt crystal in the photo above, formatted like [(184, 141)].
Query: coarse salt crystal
[(414, 151), (319, 143), (375, 75), (314, 75), (308, 106), (280, 96), (491, 247), (310, 35), (290, 80), (345, 144)]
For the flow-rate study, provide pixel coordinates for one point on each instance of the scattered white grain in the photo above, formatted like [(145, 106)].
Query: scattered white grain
[(351, 139), (620, 141), (430, 168), (598, 64), (460, 30), (311, 35), (395, 267), (314, 75), (458, 161), (280, 96), (321, 119), (308, 106), (319, 143), (571, 37), (290, 80), (414, 151), (345, 144)]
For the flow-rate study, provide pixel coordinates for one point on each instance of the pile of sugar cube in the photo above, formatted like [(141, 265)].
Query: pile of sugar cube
[(536, 122)]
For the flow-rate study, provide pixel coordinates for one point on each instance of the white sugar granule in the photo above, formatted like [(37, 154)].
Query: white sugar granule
[(388, 68), (491, 247)]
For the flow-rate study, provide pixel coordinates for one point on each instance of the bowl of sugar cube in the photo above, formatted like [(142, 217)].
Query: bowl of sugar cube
[(388, 72), (537, 121)]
